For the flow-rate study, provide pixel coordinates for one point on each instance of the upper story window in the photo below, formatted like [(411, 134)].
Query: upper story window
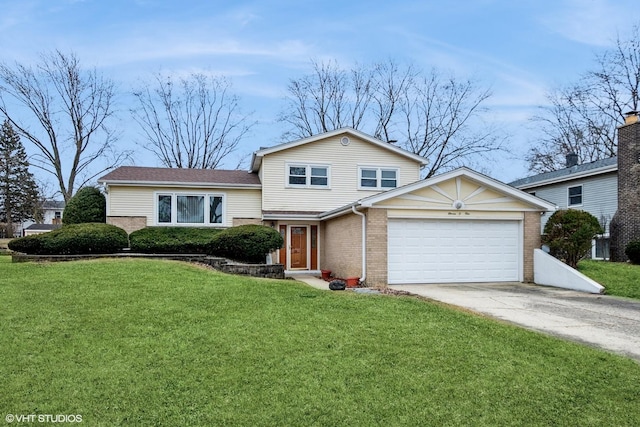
[(575, 195), (189, 209), (307, 176), (378, 178)]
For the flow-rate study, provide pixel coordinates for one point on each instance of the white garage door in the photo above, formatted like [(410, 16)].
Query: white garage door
[(450, 251)]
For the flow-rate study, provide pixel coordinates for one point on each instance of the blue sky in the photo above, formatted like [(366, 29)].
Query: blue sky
[(520, 49)]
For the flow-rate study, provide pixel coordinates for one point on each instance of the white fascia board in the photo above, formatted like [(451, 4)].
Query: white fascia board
[(342, 210), (567, 178), (179, 184), (290, 217)]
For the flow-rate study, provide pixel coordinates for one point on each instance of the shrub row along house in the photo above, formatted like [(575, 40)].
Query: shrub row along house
[(350, 203)]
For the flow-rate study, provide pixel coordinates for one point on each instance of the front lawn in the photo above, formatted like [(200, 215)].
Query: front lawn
[(619, 278), (150, 342)]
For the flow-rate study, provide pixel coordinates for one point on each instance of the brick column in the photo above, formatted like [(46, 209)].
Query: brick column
[(532, 240), (376, 247), (625, 225)]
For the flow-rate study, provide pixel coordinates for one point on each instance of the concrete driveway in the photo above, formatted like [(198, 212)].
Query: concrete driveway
[(607, 322)]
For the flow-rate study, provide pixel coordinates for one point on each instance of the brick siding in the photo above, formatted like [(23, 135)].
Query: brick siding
[(128, 223), (532, 240), (625, 225), (244, 221), (341, 248), (376, 247)]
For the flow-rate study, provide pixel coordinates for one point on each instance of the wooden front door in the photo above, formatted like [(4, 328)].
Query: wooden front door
[(298, 248)]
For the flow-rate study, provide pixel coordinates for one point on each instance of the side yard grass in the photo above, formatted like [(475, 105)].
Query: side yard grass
[(149, 342), (619, 279)]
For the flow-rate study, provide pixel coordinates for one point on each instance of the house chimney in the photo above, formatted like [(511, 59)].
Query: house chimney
[(631, 117), (572, 159), (625, 225)]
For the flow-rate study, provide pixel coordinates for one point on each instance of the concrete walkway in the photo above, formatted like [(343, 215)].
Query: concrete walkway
[(602, 321)]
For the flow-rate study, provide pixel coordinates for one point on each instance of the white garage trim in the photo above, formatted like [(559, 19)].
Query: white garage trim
[(454, 250)]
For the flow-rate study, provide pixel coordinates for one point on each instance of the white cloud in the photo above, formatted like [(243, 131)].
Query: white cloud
[(592, 22)]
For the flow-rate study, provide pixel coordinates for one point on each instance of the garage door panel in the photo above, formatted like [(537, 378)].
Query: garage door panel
[(441, 251)]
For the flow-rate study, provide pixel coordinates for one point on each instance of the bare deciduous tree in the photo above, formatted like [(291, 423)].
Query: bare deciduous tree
[(432, 115), (582, 118), (570, 124), (442, 122), (194, 123), (329, 98), (63, 110)]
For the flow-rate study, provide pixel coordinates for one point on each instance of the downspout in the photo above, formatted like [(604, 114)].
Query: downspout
[(364, 242)]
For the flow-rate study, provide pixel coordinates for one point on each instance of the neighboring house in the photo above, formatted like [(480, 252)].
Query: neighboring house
[(350, 203), (591, 187), (52, 211), (40, 228)]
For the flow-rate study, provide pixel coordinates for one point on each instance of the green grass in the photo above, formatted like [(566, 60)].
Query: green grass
[(619, 279), (148, 342)]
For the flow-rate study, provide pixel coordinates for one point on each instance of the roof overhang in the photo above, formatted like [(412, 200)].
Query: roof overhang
[(571, 177), (291, 216), (256, 159), (179, 184)]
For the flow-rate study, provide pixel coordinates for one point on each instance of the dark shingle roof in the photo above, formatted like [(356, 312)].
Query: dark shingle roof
[(47, 227), (565, 174), (53, 204), (134, 174)]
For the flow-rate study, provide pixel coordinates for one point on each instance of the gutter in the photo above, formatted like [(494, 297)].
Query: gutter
[(364, 241)]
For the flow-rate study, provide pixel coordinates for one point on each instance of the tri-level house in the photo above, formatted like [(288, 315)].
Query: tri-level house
[(350, 203)]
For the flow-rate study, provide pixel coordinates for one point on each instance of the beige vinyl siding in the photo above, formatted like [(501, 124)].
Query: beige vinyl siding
[(140, 201), (599, 196), (343, 162)]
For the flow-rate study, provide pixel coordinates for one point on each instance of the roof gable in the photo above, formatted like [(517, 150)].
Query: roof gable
[(459, 189), (258, 155)]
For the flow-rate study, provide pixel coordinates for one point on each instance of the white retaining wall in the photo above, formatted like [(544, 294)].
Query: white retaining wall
[(549, 271)]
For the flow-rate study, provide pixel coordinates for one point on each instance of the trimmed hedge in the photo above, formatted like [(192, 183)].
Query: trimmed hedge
[(74, 239), (246, 243), (568, 233), (172, 240), (632, 250), (27, 245), (87, 205)]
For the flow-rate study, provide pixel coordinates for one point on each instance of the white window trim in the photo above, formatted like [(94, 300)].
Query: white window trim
[(593, 246), (308, 167), (581, 196), (174, 209), (379, 170)]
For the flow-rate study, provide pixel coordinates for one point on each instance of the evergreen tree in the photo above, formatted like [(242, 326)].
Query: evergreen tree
[(19, 198)]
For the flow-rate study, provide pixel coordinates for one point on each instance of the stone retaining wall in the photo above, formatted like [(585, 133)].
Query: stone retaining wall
[(270, 271)]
